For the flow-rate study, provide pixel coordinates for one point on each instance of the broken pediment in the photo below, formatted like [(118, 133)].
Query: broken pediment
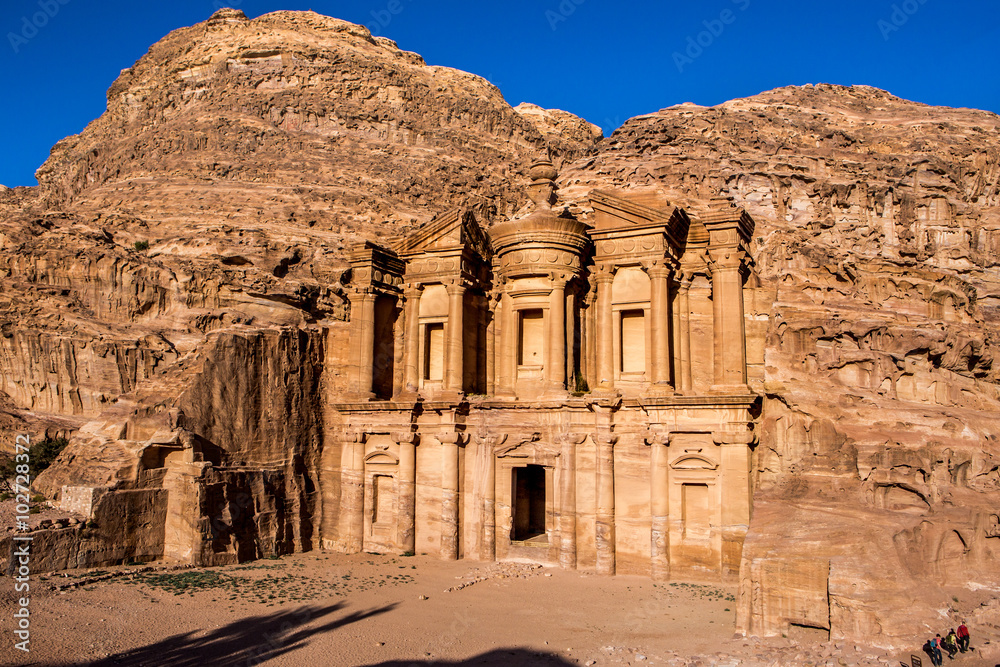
[(624, 227), (457, 228), (616, 212)]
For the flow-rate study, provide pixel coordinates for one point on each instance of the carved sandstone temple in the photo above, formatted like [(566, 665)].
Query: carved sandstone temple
[(550, 390)]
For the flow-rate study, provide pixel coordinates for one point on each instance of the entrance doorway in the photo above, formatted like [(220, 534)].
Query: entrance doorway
[(528, 506)]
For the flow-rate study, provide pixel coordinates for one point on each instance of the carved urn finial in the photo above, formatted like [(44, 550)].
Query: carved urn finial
[(542, 189)]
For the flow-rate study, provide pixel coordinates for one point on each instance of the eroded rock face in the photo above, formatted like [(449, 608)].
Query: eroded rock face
[(877, 473), (249, 154)]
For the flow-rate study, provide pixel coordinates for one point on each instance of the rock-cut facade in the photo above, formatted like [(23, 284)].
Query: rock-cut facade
[(563, 388)]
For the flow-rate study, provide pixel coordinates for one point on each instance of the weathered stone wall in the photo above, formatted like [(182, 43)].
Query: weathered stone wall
[(876, 233)]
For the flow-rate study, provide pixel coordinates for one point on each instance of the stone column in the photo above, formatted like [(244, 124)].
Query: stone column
[(567, 501), (507, 354), (736, 495), (493, 313), (730, 339), (363, 330), (353, 492), (659, 503), (455, 357), (555, 365), (659, 277), (605, 520), (684, 300), (449, 495), (605, 341), (411, 366), (588, 353), (407, 519), (570, 341), (490, 445)]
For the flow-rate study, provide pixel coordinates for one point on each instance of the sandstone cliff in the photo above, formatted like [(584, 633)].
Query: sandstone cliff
[(249, 154), (879, 247)]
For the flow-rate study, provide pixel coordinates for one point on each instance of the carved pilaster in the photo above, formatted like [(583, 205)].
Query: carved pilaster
[(407, 490), (659, 278), (605, 341), (605, 519), (411, 363), (659, 503), (555, 367), (353, 491), (450, 527), (455, 357)]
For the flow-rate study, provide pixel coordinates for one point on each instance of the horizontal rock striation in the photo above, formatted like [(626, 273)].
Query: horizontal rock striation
[(173, 294), (877, 473)]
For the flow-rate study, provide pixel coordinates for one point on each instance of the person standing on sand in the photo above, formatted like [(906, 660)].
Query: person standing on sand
[(963, 638), (928, 648), (936, 658), (951, 644)]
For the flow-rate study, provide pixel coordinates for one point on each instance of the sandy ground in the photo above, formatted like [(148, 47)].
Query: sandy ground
[(330, 609)]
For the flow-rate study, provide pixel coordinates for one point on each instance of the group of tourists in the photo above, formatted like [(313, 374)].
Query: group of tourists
[(954, 642)]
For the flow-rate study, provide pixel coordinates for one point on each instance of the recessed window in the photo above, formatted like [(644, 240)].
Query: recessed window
[(383, 494), (531, 339), (633, 337), (434, 352)]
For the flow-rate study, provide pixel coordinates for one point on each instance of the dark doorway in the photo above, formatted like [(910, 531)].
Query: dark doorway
[(384, 353), (528, 503)]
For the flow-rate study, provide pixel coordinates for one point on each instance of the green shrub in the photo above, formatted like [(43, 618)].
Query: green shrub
[(141, 246), (40, 456)]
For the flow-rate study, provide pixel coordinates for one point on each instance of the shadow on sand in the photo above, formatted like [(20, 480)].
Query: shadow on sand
[(497, 658), (244, 642)]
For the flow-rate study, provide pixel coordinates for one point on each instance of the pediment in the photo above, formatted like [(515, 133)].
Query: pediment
[(614, 214), (527, 448), (382, 456), (693, 462), (457, 228), (612, 211)]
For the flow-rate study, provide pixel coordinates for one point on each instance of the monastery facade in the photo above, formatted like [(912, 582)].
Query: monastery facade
[(552, 390)]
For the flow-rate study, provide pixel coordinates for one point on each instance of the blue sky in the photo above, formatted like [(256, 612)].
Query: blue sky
[(606, 61)]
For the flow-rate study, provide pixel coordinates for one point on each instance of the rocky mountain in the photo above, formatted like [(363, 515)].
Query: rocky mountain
[(878, 247), (182, 260), (241, 158)]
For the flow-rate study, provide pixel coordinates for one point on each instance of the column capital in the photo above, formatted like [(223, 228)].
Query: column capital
[(455, 288), (725, 259), (571, 438), (659, 270), (412, 289), (357, 436), (494, 441), (453, 438), (661, 438), (606, 440), (604, 273), (406, 437), (559, 278), (746, 437)]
